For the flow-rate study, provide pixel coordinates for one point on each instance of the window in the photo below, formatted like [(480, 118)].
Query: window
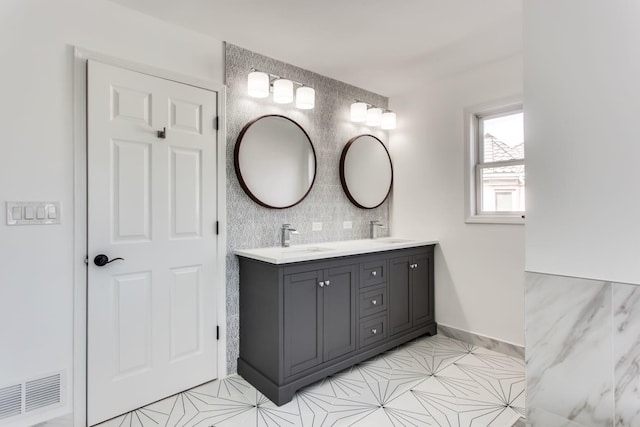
[(495, 164)]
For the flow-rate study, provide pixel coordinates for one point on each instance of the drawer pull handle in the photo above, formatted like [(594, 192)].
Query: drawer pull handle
[(321, 284), (374, 302), (327, 283), (374, 331), (374, 273)]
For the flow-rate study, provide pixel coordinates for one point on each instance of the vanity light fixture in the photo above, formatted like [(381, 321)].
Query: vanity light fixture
[(305, 97), (388, 120), (359, 111), (372, 115), (282, 91), (260, 83)]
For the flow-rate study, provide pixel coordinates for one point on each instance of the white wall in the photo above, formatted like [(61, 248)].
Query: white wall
[(582, 103), (479, 267), (36, 157)]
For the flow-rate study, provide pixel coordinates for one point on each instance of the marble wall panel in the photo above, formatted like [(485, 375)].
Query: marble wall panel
[(626, 353), (569, 349)]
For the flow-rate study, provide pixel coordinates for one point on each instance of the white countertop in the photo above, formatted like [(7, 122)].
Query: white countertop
[(314, 251)]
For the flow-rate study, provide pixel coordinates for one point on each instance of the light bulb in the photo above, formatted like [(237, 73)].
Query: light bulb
[(258, 84), (358, 112), (374, 116), (388, 120), (282, 91), (305, 98)]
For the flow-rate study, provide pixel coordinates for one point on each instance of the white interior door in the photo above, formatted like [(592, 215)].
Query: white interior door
[(151, 201)]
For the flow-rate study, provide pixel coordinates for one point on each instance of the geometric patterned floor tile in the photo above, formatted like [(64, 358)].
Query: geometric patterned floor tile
[(432, 381)]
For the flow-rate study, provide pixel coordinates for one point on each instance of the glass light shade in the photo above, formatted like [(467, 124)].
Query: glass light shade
[(374, 117), (305, 98), (258, 84), (358, 112), (388, 120), (282, 91)]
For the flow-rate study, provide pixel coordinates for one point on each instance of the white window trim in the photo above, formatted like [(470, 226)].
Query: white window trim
[(471, 157)]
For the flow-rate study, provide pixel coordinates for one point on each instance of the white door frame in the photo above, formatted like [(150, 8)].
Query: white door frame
[(80, 58)]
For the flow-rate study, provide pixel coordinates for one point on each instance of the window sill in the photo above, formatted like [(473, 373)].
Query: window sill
[(495, 219)]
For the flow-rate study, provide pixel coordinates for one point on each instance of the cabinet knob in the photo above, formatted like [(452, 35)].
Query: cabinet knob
[(374, 331), (374, 273), (321, 284), (327, 283), (374, 302), (413, 265)]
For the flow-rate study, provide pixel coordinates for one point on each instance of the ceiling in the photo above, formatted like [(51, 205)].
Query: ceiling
[(380, 45)]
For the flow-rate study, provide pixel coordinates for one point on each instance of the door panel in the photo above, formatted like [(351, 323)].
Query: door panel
[(185, 116), (302, 320), (132, 311), (130, 104), (151, 201), (339, 311), (399, 295), (422, 302), (131, 190), (186, 318), (186, 184)]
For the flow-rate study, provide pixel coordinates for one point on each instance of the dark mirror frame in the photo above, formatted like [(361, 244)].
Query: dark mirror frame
[(236, 162), (343, 180)]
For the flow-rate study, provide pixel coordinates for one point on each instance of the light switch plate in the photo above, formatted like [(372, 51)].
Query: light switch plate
[(316, 226), (39, 213), (347, 225)]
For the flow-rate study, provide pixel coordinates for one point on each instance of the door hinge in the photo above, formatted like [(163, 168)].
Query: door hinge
[(217, 227), (217, 332), (216, 123)]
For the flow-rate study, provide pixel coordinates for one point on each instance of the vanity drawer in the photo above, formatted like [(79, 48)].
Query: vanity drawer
[(372, 331), (373, 273), (373, 301)]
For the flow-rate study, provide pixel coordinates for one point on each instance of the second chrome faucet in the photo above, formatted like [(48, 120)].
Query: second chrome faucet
[(287, 231), (372, 228)]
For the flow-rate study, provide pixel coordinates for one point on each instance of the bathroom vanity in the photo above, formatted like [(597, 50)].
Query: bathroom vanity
[(310, 311)]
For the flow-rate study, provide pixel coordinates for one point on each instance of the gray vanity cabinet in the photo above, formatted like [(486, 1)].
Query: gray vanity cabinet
[(303, 321), (319, 317), (411, 299)]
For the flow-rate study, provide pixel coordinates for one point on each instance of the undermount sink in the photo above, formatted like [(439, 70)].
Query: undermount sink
[(297, 250), (391, 240)]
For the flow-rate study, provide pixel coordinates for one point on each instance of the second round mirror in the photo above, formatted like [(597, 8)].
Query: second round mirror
[(366, 172)]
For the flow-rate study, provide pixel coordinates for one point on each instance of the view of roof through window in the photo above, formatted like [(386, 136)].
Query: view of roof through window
[(502, 184)]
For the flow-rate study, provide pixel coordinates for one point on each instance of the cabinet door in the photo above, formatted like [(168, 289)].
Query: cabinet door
[(399, 295), (302, 321), (339, 311), (422, 289)]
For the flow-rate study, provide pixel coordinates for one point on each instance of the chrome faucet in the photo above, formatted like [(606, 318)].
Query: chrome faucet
[(287, 231), (372, 228)]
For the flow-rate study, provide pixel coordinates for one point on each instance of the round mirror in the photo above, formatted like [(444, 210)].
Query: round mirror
[(275, 161), (366, 171)]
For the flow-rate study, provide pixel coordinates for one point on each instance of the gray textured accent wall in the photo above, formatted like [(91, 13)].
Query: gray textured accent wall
[(250, 225)]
